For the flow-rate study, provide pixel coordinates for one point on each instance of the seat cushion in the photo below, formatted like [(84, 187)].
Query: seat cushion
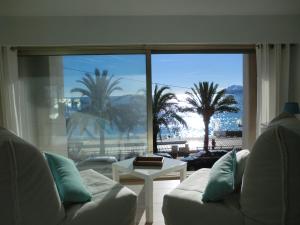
[(27, 190), (271, 184), (184, 204), (111, 203)]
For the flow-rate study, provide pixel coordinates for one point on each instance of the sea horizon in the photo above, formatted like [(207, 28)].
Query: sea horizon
[(219, 122)]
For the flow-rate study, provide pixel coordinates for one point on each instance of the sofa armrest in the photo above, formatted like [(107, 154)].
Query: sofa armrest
[(184, 204)]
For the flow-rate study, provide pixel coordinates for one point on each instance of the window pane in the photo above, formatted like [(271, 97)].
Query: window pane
[(91, 108), (180, 72)]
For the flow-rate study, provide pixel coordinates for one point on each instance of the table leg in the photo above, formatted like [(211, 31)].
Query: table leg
[(149, 199), (115, 174), (182, 174)]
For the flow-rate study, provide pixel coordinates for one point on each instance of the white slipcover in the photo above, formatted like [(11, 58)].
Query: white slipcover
[(270, 192), (184, 204), (29, 197), (27, 189)]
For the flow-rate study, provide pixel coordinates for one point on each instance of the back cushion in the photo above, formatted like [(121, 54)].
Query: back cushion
[(270, 192), (7, 193), (27, 189)]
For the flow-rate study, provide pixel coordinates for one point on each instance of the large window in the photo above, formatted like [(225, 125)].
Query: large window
[(99, 108), (91, 108)]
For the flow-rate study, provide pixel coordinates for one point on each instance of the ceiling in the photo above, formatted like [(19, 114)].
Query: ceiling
[(147, 7)]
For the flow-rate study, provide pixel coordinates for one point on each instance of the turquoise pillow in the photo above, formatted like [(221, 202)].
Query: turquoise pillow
[(67, 178), (221, 178)]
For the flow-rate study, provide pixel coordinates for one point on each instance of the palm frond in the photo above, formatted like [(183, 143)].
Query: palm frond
[(83, 92), (165, 110), (90, 78), (220, 94), (99, 89), (177, 119), (205, 99), (227, 100), (113, 86), (225, 108)]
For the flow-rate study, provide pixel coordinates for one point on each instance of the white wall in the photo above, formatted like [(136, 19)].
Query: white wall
[(148, 30), (46, 31)]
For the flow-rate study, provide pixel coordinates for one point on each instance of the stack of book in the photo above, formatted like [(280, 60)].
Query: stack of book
[(148, 161)]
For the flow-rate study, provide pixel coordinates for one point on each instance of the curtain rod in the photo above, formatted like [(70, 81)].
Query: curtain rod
[(273, 44), (116, 49)]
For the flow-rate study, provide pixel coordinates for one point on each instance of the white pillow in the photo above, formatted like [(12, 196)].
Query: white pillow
[(241, 160)]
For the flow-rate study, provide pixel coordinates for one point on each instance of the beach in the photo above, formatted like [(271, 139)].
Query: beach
[(123, 147)]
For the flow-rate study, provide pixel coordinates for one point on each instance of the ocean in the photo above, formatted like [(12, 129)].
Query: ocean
[(219, 122)]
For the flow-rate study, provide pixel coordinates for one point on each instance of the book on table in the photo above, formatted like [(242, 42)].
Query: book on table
[(148, 161)]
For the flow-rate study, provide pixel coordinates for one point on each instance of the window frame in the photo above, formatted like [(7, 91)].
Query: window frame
[(148, 50)]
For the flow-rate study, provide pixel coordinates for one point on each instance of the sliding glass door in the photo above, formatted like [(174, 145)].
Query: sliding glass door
[(184, 75), (100, 108), (91, 108)]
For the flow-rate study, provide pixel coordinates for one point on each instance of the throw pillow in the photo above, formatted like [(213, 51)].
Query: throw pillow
[(221, 178), (241, 160), (67, 178)]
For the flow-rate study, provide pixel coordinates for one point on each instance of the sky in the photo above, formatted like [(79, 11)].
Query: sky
[(130, 68), (179, 71)]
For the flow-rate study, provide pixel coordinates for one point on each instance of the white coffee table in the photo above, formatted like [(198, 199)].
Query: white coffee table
[(149, 174)]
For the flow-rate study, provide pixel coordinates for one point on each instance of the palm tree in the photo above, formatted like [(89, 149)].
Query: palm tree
[(205, 100), (165, 110), (100, 109)]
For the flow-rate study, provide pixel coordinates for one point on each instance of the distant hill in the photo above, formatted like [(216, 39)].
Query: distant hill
[(127, 99), (234, 89)]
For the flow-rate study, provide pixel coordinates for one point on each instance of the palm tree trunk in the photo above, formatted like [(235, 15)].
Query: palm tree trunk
[(155, 131), (154, 145), (102, 139), (205, 144)]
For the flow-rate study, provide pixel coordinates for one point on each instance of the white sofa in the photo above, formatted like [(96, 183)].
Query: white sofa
[(270, 194), (29, 196)]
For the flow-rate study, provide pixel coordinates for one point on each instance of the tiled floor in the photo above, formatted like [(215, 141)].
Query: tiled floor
[(160, 188)]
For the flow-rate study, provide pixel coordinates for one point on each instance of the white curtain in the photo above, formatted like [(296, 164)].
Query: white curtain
[(273, 72), (10, 98), (30, 95)]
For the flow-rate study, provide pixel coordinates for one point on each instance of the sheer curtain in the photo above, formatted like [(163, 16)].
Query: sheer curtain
[(273, 72), (10, 98), (30, 93)]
